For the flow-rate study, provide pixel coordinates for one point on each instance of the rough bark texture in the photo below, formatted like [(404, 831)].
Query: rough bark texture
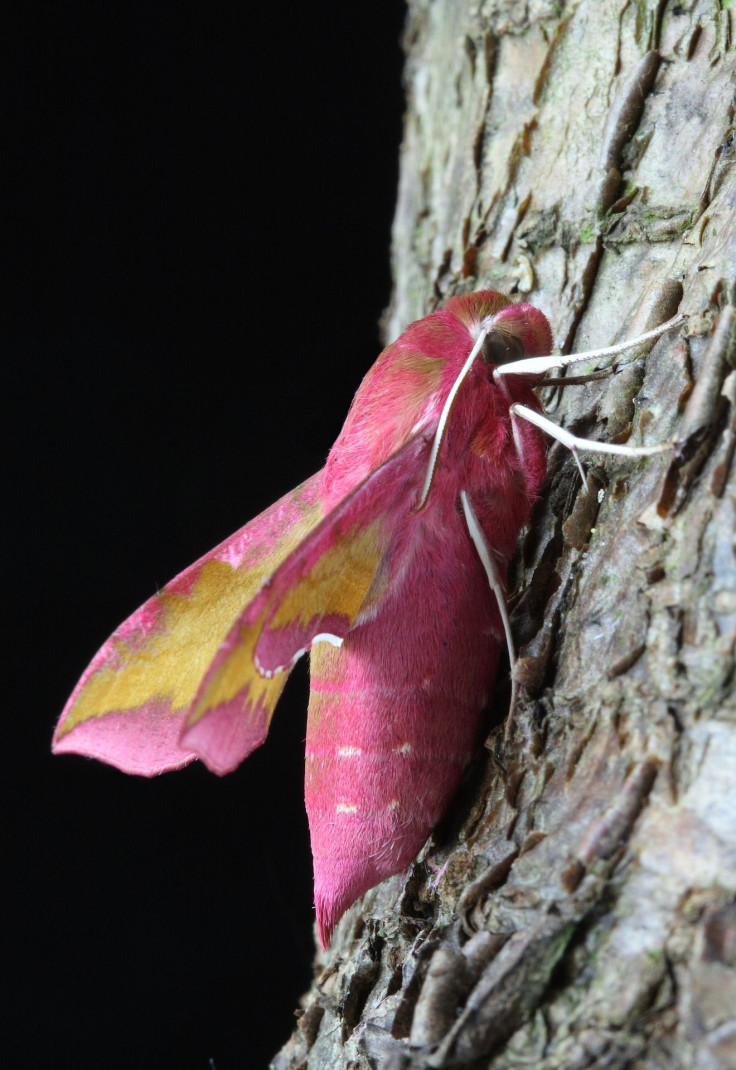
[(578, 906)]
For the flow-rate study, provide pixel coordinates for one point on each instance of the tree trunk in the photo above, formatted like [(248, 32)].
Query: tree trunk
[(577, 907)]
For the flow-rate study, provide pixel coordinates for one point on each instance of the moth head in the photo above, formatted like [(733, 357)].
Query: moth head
[(501, 347), (514, 331)]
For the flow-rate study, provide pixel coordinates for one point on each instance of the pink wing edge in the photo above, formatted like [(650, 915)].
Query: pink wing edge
[(147, 740)]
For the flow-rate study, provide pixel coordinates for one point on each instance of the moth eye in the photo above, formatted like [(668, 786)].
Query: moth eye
[(500, 348)]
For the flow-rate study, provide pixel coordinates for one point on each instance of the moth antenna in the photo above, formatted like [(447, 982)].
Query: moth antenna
[(540, 365), (578, 380), (574, 443), (444, 417), (494, 582)]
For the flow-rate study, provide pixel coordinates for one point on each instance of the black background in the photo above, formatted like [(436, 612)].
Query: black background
[(198, 238)]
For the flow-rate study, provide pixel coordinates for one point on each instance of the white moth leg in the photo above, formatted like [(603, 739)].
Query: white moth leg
[(540, 365), (583, 474), (445, 415), (494, 581), (574, 443)]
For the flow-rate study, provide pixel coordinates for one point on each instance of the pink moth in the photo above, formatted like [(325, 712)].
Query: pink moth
[(389, 566)]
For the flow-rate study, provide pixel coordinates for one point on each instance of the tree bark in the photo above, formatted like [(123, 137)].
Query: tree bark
[(577, 907)]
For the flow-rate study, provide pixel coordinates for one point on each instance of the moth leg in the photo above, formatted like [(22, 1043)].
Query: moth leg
[(574, 443), (495, 582), (540, 365), (445, 416)]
